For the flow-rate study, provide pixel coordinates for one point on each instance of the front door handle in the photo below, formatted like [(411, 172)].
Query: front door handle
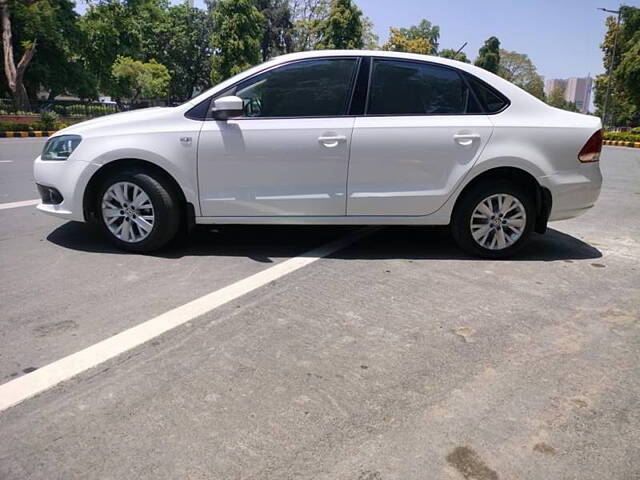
[(331, 140), (466, 139)]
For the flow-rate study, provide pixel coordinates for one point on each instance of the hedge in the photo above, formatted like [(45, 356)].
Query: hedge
[(29, 127), (623, 136)]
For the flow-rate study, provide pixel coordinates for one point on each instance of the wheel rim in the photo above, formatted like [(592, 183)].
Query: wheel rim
[(498, 221), (127, 212)]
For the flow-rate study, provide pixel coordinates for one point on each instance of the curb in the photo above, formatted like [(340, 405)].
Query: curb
[(620, 143), (37, 133)]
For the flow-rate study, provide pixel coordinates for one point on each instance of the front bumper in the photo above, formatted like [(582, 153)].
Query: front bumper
[(573, 192), (69, 178)]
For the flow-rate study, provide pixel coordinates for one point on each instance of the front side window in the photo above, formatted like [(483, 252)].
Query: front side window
[(313, 88), (413, 88)]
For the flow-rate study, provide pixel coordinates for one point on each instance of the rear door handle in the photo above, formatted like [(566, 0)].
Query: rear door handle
[(331, 140), (466, 139)]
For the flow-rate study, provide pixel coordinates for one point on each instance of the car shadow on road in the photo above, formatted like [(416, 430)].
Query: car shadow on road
[(265, 243)]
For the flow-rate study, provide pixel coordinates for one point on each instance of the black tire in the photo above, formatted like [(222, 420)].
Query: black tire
[(470, 199), (165, 209)]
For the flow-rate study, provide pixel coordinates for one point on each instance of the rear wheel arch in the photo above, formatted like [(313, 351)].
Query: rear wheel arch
[(521, 178)]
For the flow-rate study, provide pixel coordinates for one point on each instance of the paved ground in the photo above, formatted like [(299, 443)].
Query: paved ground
[(396, 358)]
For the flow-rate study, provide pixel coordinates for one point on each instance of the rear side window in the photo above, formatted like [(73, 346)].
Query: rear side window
[(413, 88), (492, 101), (313, 88)]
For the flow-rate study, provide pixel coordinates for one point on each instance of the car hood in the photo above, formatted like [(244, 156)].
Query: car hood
[(116, 120)]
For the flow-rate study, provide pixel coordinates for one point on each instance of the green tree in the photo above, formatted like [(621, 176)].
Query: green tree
[(369, 37), (520, 70), (489, 55), (129, 28), (422, 38), (624, 101), (135, 79), (42, 35), (343, 28), (398, 42), (186, 34), (308, 20), (236, 38), (451, 53), (277, 28)]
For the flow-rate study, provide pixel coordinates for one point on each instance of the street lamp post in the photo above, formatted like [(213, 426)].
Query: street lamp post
[(611, 63)]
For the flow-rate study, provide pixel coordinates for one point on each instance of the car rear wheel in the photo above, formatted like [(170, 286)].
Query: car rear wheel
[(493, 219), (137, 211)]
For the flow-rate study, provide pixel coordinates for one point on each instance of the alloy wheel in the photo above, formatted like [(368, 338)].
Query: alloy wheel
[(498, 221), (127, 212)]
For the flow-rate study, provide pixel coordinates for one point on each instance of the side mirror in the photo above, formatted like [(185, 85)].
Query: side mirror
[(224, 108)]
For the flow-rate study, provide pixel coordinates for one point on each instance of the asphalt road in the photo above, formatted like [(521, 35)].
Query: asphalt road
[(395, 358)]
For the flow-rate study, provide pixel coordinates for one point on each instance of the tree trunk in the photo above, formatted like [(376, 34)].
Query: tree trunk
[(13, 72)]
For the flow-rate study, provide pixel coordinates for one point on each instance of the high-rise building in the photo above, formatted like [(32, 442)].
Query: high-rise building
[(576, 90), (553, 83)]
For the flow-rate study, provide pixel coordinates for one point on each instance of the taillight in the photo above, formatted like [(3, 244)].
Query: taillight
[(591, 150)]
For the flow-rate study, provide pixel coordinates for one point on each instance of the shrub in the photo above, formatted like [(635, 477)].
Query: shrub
[(48, 119), (622, 136)]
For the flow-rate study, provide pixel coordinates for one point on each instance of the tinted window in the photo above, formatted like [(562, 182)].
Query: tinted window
[(404, 88), (491, 100), (303, 89)]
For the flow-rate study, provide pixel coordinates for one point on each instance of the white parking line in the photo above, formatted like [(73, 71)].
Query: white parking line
[(15, 391), (24, 203), (6, 161)]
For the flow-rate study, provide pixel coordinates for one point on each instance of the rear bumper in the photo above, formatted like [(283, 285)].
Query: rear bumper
[(573, 192)]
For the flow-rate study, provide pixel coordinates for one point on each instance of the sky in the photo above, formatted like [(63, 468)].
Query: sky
[(562, 37)]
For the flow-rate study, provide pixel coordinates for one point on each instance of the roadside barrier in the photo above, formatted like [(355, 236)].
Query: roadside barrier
[(36, 133), (620, 143)]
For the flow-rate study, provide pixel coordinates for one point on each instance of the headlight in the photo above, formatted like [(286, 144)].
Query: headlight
[(59, 148)]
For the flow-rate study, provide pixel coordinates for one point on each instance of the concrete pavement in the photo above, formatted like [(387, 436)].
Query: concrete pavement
[(396, 358)]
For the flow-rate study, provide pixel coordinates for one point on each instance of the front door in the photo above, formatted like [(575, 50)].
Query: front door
[(288, 155), (422, 132)]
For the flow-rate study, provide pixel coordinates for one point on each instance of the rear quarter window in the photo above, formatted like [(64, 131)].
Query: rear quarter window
[(490, 99)]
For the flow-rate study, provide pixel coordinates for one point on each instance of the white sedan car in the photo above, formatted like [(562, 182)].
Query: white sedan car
[(332, 138)]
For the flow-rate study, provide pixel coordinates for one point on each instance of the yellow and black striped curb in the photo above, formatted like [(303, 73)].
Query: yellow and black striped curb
[(620, 143), (36, 133)]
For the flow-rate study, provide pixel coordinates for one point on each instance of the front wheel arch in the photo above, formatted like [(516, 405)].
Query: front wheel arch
[(187, 210)]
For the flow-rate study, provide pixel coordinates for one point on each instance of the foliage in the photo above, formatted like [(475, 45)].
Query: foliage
[(451, 53), (623, 136), (114, 28), (277, 28), (308, 20), (489, 55), (186, 35), (343, 28), (556, 99), (624, 101), (30, 127), (53, 24), (236, 39), (135, 79), (48, 119), (520, 70), (397, 42), (369, 37), (422, 38)]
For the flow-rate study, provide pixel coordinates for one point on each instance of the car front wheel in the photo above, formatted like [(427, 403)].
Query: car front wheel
[(137, 211), (493, 219)]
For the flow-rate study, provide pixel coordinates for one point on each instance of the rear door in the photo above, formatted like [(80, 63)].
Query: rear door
[(422, 131)]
